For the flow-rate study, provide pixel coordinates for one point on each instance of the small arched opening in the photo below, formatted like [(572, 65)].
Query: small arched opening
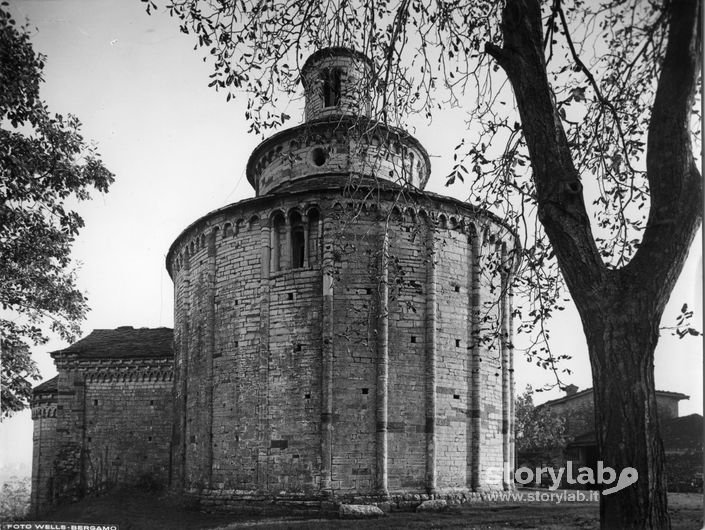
[(314, 231), (298, 240), (278, 239), (331, 87)]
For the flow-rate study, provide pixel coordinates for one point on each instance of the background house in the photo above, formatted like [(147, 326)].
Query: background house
[(682, 436)]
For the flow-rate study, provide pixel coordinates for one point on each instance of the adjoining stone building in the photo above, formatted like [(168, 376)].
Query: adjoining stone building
[(343, 334), (106, 418)]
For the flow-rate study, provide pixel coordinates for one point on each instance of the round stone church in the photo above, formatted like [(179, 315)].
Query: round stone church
[(343, 334)]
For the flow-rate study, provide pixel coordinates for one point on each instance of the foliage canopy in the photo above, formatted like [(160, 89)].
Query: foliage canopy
[(602, 60), (45, 166), (536, 428), (594, 167)]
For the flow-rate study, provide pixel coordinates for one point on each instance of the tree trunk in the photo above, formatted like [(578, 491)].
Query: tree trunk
[(620, 309), (621, 338)]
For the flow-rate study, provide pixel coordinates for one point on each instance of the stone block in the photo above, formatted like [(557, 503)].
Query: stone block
[(359, 511)]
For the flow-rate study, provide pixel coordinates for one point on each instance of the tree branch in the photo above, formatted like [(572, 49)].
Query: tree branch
[(674, 180), (593, 83), (559, 191)]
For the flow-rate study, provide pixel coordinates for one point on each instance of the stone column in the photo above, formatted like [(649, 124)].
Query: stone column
[(210, 352), (510, 348), (262, 413), (268, 251), (285, 259), (184, 361), (382, 398), (327, 330), (475, 363), (304, 223), (470, 375), (504, 345), (430, 368)]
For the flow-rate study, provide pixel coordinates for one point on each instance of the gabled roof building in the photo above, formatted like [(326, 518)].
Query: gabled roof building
[(682, 437), (106, 418)]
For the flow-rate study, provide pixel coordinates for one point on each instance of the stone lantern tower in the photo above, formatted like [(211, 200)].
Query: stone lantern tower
[(338, 336)]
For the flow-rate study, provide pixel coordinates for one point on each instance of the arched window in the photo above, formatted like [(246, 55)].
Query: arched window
[(314, 250), (298, 241), (331, 87), (278, 240)]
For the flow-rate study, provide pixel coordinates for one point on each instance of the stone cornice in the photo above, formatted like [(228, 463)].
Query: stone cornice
[(44, 410), (435, 204), (331, 52), (351, 127), (123, 370)]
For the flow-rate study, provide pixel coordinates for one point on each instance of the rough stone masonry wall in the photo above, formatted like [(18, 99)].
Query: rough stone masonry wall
[(356, 343), (113, 424), (237, 366), (294, 379), (128, 431), (667, 407), (341, 147), (352, 344), (496, 398), (453, 382), (579, 413), (409, 264), (355, 87), (425, 271), (250, 333), (68, 469), (43, 454)]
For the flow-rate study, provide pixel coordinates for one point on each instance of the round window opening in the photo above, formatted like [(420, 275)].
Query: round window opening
[(318, 156)]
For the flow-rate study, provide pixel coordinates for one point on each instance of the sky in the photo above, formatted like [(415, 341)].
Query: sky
[(178, 150)]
